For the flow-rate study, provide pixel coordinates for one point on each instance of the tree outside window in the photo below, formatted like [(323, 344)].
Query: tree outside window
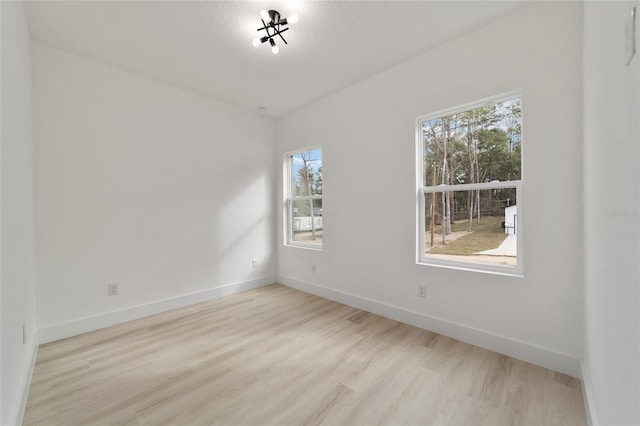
[(470, 185), (304, 200)]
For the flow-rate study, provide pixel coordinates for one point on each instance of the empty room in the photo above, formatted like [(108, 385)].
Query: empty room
[(320, 212)]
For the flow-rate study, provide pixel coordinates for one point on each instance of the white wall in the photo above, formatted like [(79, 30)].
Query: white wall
[(17, 240), (611, 215), (167, 193), (367, 135)]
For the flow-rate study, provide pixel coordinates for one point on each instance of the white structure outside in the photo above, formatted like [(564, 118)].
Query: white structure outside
[(303, 223), (511, 220)]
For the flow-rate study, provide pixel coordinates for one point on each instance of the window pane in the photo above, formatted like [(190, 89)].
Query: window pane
[(307, 221), (478, 226), (474, 146), (306, 168)]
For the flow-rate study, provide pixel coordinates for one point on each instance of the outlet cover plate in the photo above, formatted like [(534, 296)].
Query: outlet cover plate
[(112, 289), (422, 291)]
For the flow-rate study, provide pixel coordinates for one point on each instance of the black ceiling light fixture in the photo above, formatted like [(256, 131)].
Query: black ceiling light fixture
[(274, 26)]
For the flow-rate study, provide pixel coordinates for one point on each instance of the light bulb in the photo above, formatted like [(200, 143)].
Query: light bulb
[(293, 19), (256, 42), (275, 50), (264, 14)]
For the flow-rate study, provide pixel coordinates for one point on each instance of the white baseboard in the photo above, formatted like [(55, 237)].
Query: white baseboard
[(587, 395), (524, 351), (83, 325), (25, 383)]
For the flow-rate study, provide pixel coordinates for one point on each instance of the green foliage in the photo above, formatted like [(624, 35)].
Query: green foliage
[(480, 145), (474, 146)]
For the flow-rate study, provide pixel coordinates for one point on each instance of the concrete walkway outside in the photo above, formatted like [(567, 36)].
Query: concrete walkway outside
[(509, 247)]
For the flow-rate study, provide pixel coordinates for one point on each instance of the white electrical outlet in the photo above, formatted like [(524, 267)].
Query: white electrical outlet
[(313, 268), (422, 291), (112, 289), (254, 264)]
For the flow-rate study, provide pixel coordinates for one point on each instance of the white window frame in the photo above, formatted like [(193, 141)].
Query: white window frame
[(424, 259), (289, 199)]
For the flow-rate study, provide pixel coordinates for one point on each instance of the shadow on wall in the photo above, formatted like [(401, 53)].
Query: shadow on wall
[(243, 231), (195, 239)]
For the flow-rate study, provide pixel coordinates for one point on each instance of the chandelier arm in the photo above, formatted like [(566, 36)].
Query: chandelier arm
[(265, 27), (278, 32)]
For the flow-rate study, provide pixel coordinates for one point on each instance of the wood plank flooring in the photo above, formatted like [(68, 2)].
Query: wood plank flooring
[(277, 356)]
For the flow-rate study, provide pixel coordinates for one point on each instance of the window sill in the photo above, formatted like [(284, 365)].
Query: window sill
[(515, 272), (313, 247)]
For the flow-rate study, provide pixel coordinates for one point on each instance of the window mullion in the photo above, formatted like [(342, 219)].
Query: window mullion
[(471, 186)]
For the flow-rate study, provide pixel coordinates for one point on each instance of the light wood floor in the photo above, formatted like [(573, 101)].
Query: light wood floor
[(279, 356)]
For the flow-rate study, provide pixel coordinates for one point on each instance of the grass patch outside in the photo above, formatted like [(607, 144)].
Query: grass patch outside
[(486, 235)]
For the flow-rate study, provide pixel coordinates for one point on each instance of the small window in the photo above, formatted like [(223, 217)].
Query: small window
[(470, 186), (303, 207)]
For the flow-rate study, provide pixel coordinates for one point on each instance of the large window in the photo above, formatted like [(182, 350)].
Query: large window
[(470, 186), (303, 186)]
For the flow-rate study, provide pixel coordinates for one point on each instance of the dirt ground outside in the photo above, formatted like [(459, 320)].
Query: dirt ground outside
[(307, 237), (437, 239), (477, 258)]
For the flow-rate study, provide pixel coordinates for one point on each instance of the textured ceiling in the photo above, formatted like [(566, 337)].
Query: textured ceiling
[(206, 46)]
